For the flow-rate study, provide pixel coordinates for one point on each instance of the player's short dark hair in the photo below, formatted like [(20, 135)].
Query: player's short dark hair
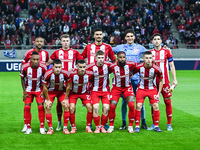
[(34, 53), (157, 34), (147, 53), (121, 52), (57, 61), (39, 38), (129, 31), (81, 61), (99, 52), (98, 29)]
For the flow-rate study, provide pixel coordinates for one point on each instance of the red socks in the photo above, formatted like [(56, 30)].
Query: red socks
[(137, 117), (89, 118), (103, 120), (27, 115), (59, 110), (96, 120), (72, 119), (156, 117), (41, 115), (131, 113), (66, 118), (168, 110), (112, 114), (49, 120)]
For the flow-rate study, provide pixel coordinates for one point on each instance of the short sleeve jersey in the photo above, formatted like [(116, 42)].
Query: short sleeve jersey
[(44, 56), (100, 82), (147, 75), (68, 57), (79, 83), (122, 74), (33, 76), (162, 57), (56, 82), (133, 53), (91, 49)]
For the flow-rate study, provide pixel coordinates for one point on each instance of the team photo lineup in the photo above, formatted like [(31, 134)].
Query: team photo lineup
[(86, 76)]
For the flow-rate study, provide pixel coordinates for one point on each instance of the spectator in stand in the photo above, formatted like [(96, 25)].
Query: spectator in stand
[(182, 29), (66, 29), (65, 17), (117, 40)]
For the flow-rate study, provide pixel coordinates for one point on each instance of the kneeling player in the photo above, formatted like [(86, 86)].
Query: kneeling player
[(79, 89), (121, 85), (54, 86), (146, 88), (33, 72)]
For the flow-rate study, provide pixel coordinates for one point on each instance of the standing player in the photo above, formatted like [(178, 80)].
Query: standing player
[(54, 86), (100, 89), (90, 50), (121, 85), (133, 52), (32, 87), (162, 57), (44, 55), (79, 89), (68, 57), (146, 88)]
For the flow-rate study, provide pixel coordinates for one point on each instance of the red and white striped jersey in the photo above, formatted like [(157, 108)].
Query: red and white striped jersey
[(90, 50), (68, 57), (162, 57), (122, 74), (147, 75), (56, 82), (100, 82), (44, 56), (33, 76), (79, 83)]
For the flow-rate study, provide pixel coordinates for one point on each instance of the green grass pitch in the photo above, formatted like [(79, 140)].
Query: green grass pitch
[(185, 122)]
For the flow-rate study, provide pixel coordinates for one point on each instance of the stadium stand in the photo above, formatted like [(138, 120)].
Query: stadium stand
[(52, 18)]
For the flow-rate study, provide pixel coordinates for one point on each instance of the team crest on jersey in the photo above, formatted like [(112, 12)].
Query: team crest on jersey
[(52, 80)]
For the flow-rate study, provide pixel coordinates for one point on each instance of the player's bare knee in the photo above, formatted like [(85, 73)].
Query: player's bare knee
[(129, 99), (89, 107), (139, 106), (71, 109), (155, 106), (113, 102), (95, 110), (105, 109)]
